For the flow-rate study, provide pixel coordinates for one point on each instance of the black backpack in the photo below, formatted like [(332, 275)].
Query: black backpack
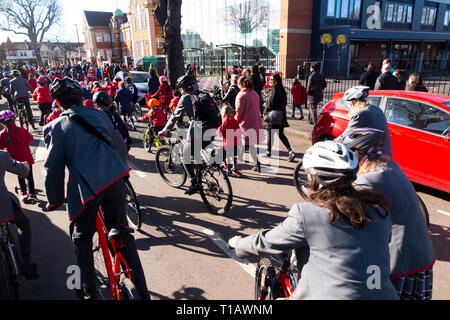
[(206, 110)]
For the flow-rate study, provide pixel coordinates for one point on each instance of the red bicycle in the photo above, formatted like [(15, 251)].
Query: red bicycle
[(272, 285), (111, 269)]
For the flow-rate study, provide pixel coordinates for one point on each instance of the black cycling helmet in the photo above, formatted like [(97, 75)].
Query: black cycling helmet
[(102, 99), (187, 82), (361, 139), (65, 89)]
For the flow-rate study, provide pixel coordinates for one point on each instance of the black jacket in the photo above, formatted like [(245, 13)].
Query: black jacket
[(277, 101), (369, 79), (417, 88), (316, 85), (153, 84), (387, 81), (231, 95)]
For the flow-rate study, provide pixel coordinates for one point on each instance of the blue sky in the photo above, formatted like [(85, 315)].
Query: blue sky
[(73, 14)]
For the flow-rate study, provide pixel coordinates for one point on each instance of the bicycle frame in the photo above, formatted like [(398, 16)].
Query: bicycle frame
[(5, 238), (113, 267)]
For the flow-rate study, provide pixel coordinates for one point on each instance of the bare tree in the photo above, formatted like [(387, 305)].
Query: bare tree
[(168, 16), (32, 18), (247, 16)]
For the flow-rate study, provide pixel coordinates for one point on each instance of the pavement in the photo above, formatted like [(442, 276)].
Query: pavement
[(181, 246)]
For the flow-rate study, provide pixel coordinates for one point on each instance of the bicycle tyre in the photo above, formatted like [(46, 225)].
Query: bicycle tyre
[(134, 214), (99, 262), (164, 168), (301, 180), (21, 118), (214, 189), (265, 273), (147, 141), (128, 290), (424, 210), (7, 287)]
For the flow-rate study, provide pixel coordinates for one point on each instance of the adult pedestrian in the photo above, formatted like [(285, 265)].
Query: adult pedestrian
[(153, 81), (386, 81), (415, 83), (275, 116), (369, 78), (316, 85), (401, 81), (249, 119), (233, 91)]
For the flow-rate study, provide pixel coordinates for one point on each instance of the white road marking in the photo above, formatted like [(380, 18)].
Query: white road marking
[(41, 152), (443, 212), (136, 170), (218, 241)]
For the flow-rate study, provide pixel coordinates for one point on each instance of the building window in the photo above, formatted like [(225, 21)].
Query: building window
[(398, 13), (344, 9), (447, 18), (98, 37), (107, 37), (428, 16)]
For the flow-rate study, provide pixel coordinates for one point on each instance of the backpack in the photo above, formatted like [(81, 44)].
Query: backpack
[(120, 126), (206, 110)]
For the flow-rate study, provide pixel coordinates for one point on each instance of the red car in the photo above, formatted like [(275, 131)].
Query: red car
[(419, 125)]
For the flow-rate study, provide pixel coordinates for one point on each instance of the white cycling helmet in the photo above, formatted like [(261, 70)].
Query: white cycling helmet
[(358, 93), (331, 163)]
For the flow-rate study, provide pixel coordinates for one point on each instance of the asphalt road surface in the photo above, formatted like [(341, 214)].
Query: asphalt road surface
[(181, 246)]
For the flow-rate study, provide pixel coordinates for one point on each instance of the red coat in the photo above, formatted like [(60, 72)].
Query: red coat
[(54, 115), (230, 129), (19, 149), (95, 90), (112, 88), (174, 103), (42, 95), (33, 83), (299, 94), (165, 95)]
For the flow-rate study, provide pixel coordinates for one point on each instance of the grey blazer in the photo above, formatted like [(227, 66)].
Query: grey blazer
[(6, 197), (410, 247), (337, 258), (92, 163), (372, 117)]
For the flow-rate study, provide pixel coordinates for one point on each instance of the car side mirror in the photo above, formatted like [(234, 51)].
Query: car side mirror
[(448, 136)]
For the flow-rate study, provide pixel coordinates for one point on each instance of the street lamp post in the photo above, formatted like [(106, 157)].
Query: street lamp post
[(78, 39)]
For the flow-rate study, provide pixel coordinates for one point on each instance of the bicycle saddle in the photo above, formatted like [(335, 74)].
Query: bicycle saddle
[(119, 232)]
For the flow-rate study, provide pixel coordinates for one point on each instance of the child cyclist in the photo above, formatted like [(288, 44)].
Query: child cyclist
[(42, 96), (155, 116), (16, 141), (230, 131)]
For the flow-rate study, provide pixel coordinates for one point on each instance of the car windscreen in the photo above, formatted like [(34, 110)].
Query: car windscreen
[(139, 77), (446, 104)]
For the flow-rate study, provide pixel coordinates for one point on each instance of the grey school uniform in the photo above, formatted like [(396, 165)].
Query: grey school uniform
[(337, 258), (410, 247), (372, 117), (93, 164)]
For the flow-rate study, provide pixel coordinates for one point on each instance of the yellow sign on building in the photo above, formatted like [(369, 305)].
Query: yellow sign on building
[(341, 39), (326, 38)]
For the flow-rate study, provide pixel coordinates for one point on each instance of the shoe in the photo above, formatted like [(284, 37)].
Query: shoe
[(30, 272), (236, 174), (301, 118), (257, 167), (23, 196), (291, 156), (193, 189), (269, 154), (32, 197)]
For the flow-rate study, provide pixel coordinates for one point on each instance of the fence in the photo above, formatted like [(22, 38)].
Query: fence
[(435, 72)]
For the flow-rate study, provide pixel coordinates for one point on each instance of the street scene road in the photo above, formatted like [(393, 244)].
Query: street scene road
[(183, 247)]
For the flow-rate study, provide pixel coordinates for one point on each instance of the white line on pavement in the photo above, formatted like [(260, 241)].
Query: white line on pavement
[(136, 169), (218, 241), (443, 212)]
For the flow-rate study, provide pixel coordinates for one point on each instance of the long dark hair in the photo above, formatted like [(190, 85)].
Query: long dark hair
[(348, 203)]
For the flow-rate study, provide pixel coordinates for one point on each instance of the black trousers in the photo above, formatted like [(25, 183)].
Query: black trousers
[(46, 109), (30, 180), (283, 138), (113, 203), (10, 101)]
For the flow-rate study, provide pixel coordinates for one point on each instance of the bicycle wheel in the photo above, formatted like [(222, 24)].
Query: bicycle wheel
[(99, 262), (22, 120), (301, 180), (216, 190), (148, 141), (172, 173), (134, 215), (265, 273), (8, 290), (424, 209), (128, 290)]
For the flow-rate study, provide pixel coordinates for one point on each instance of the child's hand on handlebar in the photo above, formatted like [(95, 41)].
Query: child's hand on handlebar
[(233, 241)]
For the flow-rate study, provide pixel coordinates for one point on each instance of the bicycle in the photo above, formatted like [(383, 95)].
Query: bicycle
[(23, 115), (271, 284), (10, 265), (110, 266), (302, 184), (215, 190), (137, 111), (151, 138), (134, 214)]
